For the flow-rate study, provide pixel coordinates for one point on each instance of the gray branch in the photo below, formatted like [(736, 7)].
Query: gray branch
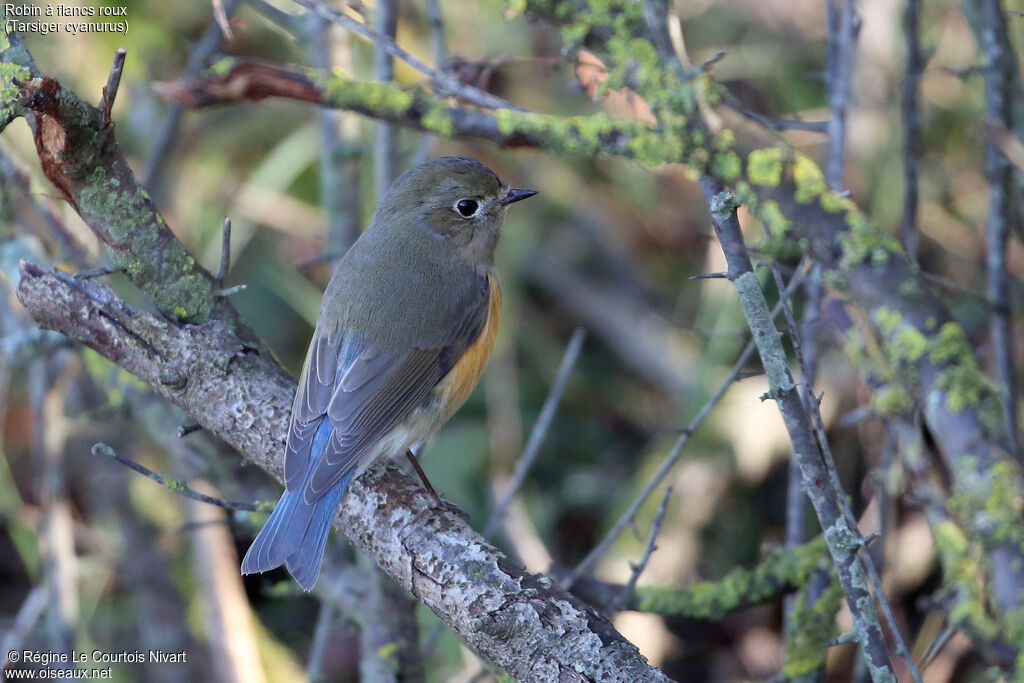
[(841, 539)]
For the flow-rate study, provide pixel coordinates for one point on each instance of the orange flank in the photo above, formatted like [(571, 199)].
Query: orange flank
[(459, 383)]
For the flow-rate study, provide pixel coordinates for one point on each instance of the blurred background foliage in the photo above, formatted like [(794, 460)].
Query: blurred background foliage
[(608, 245)]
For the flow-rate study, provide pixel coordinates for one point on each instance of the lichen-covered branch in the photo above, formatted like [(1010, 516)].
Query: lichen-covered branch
[(80, 156), (842, 540), (782, 570), (787, 191), (583, 135), (524, 623)]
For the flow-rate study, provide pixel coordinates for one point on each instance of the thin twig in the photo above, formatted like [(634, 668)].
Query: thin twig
[(98, 271), (28, 614), (384, 134), (16, 177), (321, 639), (911, 117), (230, 291), (445, 83), (1001, 205), (841, 538), (936, 646), (172, 484), (624, 520), (225, 252), (339, 158), (637, 569), (156, 160), (437, 38), (113, 81), (840, 68), (539, 431), (439, 48), (773, 122), (812, 405), (185, 430), (221, 17)]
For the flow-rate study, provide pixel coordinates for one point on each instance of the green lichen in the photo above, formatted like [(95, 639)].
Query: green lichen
[(963, 577), (809, 180), (223, 66), (774, 219), (950, 344), (438, 119), (157, 264), (726, 166), (740, 587), (587, 135), (961, 380), (835, 202), (891, 399), (811, 625), (1004, 505), (888, 319), (965, 387), (910, 289), (904, 343), (724, 141), (861, 242), (746, 196), (387, 651), (764, 166), (9, 91), (386, 100)]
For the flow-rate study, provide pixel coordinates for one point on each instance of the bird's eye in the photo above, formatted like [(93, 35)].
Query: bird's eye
[(466, 207)]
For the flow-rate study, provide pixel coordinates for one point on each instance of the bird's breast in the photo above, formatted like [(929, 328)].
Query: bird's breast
[(458, 384)]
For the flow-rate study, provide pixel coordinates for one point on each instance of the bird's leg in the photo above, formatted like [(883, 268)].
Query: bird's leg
[(441, 503), (423, 477)]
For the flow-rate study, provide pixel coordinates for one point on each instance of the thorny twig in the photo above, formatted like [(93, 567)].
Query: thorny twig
[(812, 405), (773, 122), (384, 133), (911, 118), (624, 520), (28, 614), (638, 568), (539, 431), (842, 540), (158, 155), (172, 484), (113, 81), (445, 83), (1001, 210)]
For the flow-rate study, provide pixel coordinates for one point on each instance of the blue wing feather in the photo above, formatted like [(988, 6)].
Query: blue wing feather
[(350, 395), (296, 532)]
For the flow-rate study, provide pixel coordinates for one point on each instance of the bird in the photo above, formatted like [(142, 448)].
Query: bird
[(405, 328)]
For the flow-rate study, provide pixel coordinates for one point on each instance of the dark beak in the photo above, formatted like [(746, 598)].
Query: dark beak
[(517, 195)]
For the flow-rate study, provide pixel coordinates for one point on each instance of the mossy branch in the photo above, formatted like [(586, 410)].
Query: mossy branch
[(842, 540), (80, 156), (781, 571)]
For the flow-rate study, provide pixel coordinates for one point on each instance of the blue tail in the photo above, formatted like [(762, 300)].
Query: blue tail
[(296, 532)]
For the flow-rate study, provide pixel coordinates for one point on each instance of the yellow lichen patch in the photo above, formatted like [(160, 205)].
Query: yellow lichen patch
[(773, 218), (764, 166), (834, 202), (810, 181)]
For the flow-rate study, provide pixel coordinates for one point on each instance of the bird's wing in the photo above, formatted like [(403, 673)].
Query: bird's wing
[(365, 392)]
